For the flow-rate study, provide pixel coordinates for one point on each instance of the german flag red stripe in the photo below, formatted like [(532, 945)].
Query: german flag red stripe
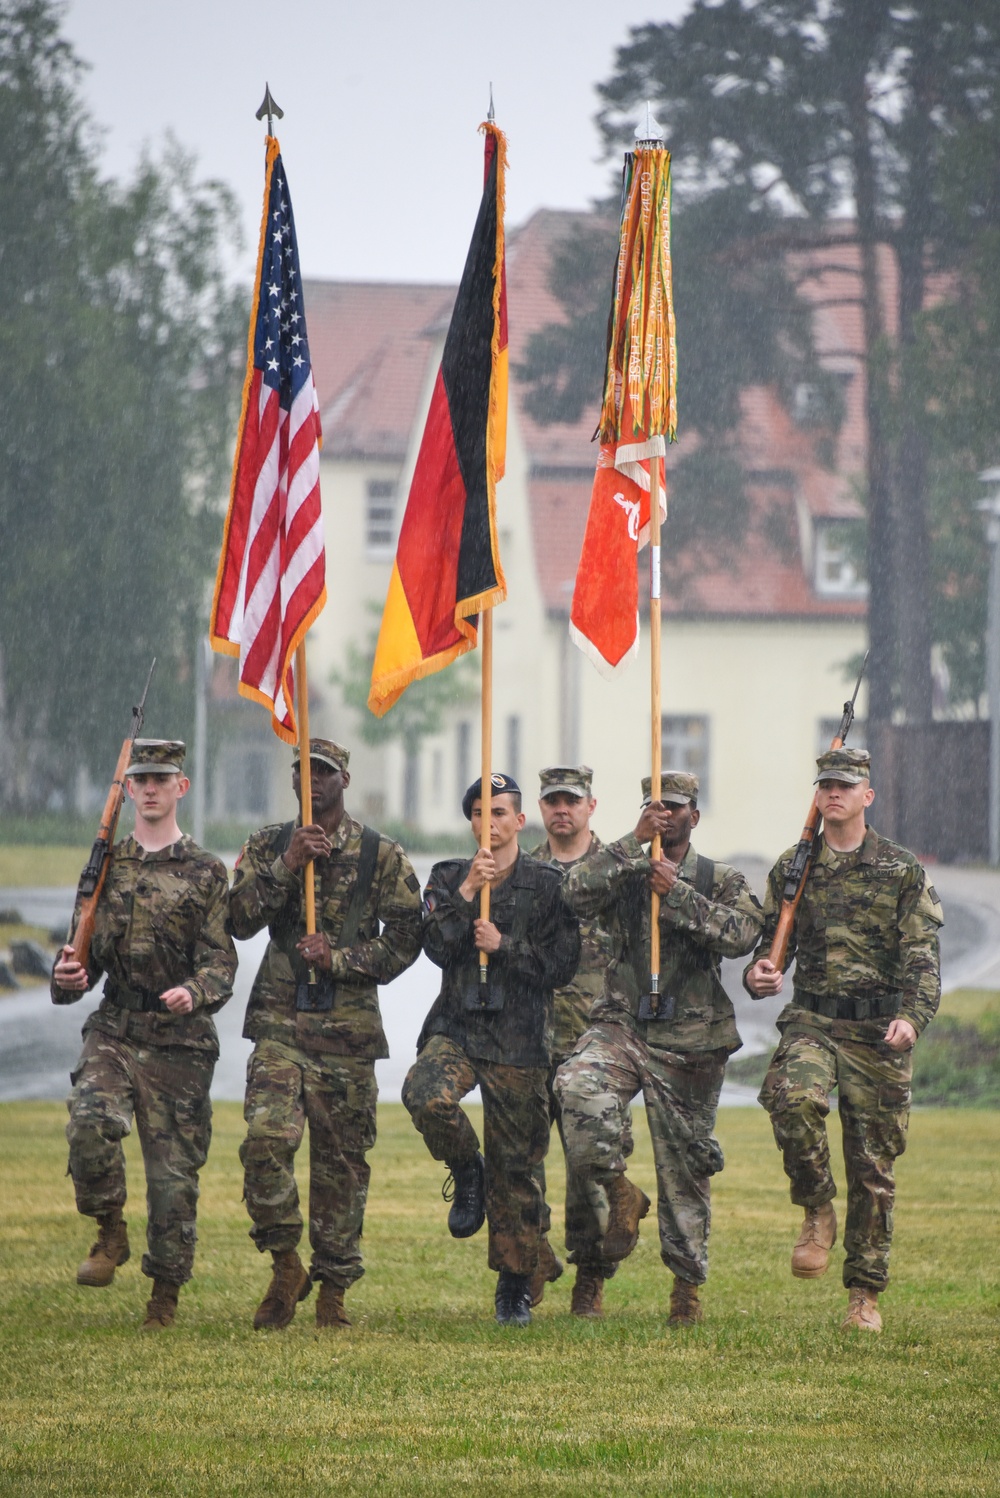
[(447, 564)]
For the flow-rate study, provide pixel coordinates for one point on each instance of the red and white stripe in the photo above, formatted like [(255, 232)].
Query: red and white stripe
[(273, 572)]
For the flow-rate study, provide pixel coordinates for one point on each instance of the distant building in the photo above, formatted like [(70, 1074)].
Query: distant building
[(757, 631)]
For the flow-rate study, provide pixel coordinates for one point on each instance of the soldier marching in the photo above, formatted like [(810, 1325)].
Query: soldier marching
[(562, 1032)]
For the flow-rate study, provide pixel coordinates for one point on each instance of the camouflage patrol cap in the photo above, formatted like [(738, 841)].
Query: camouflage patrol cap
[(503, 785), (575, 781), (157, 757), (676, 786), (849, 765), (327, 752)]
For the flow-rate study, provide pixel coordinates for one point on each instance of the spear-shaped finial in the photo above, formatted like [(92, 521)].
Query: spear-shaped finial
[(491, 116), (649, 132), (269, 108)]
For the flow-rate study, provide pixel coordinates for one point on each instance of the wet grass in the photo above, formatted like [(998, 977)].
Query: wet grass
[(426, 1395), (29, 865)]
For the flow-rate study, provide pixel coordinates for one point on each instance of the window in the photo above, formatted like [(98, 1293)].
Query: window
[(380, 517), (246, 779), (684, 744), (437, 776), (828, 728), (513, 765), (839, 567), (808, 407), (463, 757)]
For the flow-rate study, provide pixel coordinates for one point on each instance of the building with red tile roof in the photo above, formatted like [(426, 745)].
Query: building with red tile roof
[(758, 630)]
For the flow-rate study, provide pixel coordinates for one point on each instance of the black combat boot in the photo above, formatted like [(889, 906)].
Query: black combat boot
[(465, 1188), (513, 1299)]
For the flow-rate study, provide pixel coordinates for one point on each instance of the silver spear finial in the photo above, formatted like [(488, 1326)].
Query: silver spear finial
[(648, 132), (491, 116), (269, 108)]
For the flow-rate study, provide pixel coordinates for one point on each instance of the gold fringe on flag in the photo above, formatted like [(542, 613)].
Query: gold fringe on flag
[(640, 390)]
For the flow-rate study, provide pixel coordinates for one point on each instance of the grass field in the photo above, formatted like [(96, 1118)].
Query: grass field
[(427, 1395), (52, 865)]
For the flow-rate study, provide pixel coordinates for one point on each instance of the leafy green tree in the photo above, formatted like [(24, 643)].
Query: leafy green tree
[(739, 324), (783, 115), (420, 712), (119, 370)]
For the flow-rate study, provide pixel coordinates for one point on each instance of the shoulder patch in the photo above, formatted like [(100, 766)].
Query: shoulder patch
[(412, 883), (934, 894)]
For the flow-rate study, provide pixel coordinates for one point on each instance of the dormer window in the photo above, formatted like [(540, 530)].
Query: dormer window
[(839, 566)]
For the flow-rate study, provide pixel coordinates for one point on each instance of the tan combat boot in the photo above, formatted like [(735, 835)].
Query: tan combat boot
[(547, 1271), (627, 1206), (161, 1308), (685, 1307), (862, 1311), (290, 1283), (330, 1307), (811, 1254), (588, 1293), (110, 1250)]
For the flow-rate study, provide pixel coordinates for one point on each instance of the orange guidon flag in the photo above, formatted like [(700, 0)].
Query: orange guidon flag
[(447, 563), (640, 401)]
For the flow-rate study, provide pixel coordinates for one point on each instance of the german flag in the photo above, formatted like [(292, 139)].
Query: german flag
[(447, 563)]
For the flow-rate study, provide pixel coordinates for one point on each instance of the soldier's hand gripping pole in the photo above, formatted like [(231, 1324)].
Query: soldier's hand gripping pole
[(93, 877), (798, 873)]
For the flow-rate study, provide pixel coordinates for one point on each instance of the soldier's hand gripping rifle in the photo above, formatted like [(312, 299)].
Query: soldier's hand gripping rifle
[(93, 877), (798, 873)]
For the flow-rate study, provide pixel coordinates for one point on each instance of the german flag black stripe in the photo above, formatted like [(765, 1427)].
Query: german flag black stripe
[(447, 561)]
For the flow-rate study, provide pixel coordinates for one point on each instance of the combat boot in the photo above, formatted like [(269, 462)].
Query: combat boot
[(161, 1308), (547, 1271), (685, 1307), (290, 1283), (588, 1293), (627, 1206), (513, 1299), (330, 1311), (465, 1188), (862, 1311), (811, 1254), (110, 1251)]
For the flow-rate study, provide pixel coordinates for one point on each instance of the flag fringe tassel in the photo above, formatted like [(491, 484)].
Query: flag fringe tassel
[(590, 650), (499, 594)]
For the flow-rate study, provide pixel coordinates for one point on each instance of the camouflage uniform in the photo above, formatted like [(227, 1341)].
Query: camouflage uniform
[(314, 1066), (866, 948), (161, 924), (677, 1063), (570, 1016), (501, 1045)]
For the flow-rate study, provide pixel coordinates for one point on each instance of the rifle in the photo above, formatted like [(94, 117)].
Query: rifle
[(93, 877), (798, 873)]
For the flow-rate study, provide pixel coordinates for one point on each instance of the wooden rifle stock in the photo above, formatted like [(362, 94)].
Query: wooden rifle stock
[(93, 877), (798, 873)]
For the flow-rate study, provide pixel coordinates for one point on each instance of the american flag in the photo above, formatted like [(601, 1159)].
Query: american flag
[(271, 582)]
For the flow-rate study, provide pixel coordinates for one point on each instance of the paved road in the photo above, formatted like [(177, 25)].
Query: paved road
[(40, 1043)]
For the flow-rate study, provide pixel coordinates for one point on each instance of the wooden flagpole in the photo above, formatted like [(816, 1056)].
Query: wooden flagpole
[(486, 771), (305, 783), (656, 728)]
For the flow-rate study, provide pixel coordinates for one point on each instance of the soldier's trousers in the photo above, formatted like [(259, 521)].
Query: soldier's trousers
[(165, 1089), (582, 1224), (873, 1090), (595, 1086), (286, 1087), (516, 1136)]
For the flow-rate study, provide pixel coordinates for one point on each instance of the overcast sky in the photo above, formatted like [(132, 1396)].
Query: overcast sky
[(382, 101)]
